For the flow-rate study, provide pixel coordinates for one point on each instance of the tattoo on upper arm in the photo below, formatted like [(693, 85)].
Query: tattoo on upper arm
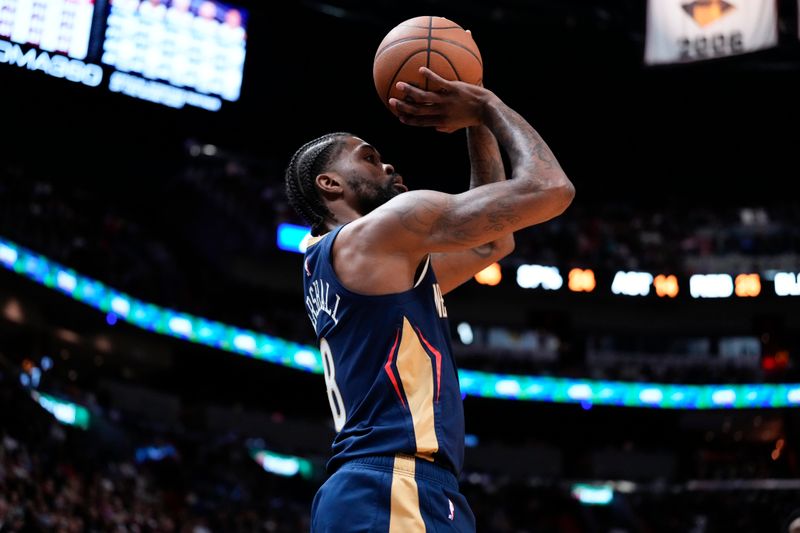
[(460, 227), (500, 217), (418, 216)]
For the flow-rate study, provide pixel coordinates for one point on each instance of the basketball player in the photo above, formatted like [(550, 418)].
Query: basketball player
[(374, 273)]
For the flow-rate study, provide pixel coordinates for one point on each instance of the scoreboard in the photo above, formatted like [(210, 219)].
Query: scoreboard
[(52, 25), (173, 52)]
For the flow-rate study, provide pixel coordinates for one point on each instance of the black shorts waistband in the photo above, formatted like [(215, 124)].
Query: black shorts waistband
[(401, 463)]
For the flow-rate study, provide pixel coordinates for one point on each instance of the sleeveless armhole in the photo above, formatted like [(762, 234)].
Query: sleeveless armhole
[(423, 271)]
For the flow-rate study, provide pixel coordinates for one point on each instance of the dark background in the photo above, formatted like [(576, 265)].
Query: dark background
[(697, 133)]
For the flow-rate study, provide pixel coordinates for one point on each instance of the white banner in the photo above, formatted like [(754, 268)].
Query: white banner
[(680, 31)]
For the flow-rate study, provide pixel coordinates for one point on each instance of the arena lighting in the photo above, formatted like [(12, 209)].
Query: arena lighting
[(490, 275), (666, 286), (534, 276), (470, 441), (473, 383), (293, 238), (593, 494), (8, 255), (632, 283), (282, 465), (747, 285), (711, 286), (155, 453), (786, 283), (67, 413), (465, 333), (628, 394), (581, 280)]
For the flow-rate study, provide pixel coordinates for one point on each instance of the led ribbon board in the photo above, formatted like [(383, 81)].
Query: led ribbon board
[(154, 318), (473, 383)]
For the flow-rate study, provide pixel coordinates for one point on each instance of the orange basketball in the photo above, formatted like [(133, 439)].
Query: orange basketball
[(434, 42)]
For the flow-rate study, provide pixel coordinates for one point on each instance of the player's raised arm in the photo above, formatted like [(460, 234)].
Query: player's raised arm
[(437, 222), (486, 166)]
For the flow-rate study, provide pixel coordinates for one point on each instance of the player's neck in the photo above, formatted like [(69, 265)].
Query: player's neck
[(342, 214)]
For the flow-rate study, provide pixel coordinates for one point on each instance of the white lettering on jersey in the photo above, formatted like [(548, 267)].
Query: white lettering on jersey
[(319, 300), (441, 310)]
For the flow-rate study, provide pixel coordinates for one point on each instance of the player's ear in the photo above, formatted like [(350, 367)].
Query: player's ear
[(330, 182)]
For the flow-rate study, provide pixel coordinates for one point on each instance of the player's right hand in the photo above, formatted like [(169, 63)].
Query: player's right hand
[(446, 105)]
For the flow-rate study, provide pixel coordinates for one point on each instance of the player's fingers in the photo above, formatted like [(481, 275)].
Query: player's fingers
[(412, 108), (418, 95), (424, 120), (437, 82)]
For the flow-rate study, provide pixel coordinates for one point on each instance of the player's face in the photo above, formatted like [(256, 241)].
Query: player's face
[(371, 182)]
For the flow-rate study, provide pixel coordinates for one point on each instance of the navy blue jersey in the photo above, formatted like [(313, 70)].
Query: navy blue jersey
[(389, 370)]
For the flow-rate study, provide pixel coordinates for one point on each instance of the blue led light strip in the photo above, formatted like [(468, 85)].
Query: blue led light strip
[(158, 319), (481, 384)]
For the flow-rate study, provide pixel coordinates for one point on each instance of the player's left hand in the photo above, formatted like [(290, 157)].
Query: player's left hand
[(447, 105)]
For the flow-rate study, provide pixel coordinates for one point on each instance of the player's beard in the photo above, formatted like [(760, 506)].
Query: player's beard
[(370, 194)]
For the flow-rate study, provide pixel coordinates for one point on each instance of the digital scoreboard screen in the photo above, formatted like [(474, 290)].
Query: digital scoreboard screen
[(53, 25), (173, 52)]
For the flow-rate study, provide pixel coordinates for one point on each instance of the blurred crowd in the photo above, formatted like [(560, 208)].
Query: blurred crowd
[(161, 246), (55, 478), (64, 479), (681, 239), (215, 210), (518, 476)]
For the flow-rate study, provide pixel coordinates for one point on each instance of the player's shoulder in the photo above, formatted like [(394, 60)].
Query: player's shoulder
[(387, 226)]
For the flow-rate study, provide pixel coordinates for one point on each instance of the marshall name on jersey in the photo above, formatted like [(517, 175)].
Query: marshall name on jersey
[(318, 301), (390, 376)]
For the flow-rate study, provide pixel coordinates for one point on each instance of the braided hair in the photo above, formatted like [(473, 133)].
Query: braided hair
[(306, 164)]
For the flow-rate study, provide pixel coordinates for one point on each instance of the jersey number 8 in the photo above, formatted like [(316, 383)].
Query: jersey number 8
[(334, 396)]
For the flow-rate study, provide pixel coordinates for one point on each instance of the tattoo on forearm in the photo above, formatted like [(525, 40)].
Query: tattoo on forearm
[(526, 148), (486, 162), (491, 217)]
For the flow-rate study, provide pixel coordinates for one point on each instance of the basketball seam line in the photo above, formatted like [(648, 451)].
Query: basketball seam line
[(428, 57), (410, 56), (450, 62), (409, 39), (435, 28), (394, 77)]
